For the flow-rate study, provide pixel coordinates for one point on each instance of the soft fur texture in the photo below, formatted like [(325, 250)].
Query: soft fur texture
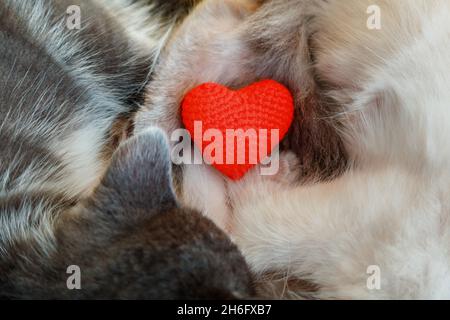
[(385, 94), (66, 99)]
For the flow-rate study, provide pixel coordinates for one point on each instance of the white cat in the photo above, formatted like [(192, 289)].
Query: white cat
[(389, 93)]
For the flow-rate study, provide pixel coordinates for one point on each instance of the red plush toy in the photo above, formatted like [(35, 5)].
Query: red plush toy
[(263, 105)]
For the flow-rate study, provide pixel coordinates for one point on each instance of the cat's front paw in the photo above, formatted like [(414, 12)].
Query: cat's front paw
[(282, 169), (260, 183), (288, 169)]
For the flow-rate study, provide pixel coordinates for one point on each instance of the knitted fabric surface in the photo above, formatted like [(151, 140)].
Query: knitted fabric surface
[(235, 130)]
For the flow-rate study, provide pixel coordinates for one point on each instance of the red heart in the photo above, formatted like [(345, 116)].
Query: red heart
[(263, 105)]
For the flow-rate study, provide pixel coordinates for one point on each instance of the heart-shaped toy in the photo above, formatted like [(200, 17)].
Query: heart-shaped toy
[(250, 121)]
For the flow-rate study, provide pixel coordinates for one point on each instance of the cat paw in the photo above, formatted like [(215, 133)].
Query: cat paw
[(288, 169), (255, 184)]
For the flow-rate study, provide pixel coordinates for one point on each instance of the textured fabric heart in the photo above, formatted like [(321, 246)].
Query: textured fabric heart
[(235, 130)]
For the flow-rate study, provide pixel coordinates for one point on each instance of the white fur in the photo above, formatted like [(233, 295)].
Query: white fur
[(203, 49), (392, 208), (202, 182)]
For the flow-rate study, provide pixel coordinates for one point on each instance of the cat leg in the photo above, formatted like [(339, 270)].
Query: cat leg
[(334, 235), (205, 48)]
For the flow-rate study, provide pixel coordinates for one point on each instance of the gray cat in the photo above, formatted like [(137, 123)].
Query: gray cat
[(67, 197)]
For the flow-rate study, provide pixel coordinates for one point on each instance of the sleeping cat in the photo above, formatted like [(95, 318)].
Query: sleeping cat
[(68, 200), (369, 217)]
